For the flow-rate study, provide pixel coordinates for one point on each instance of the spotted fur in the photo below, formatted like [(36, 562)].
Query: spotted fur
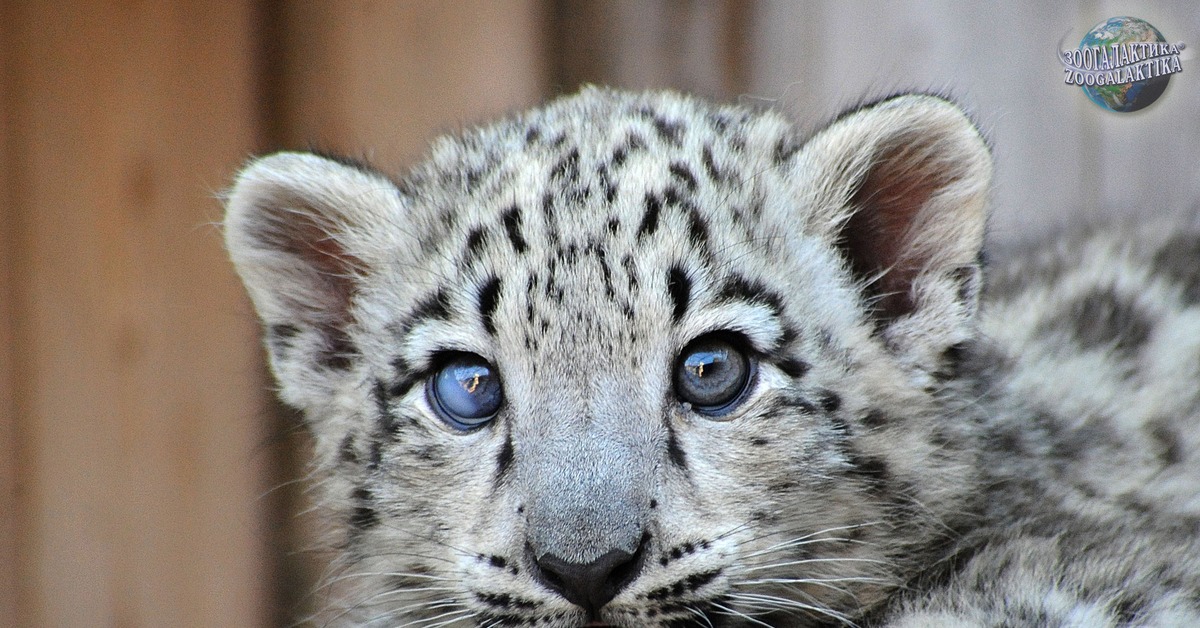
[(915, 446)]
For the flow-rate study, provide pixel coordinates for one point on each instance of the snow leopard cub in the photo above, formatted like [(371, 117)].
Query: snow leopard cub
[(639, 360)]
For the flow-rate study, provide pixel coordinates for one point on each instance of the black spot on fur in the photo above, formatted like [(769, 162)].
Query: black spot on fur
[(376, 455), (506, 601), (548, 216), (674, 451), (473, 176), (606, 272), (512, 226), (339, 353), (737, 287), (829, 401), (619, 155), (788, 335), (670, 132), (1128, 607), (567, 167), (346, 451), (710, 165), (673, 198), (785, 148), (680, 171), (680, 288), (874, 471), (631, 275), (476, 240), (942, 571), (632, 144), (952, 360), (383, 408), (841, 428), (1103, 318), (875, 418), (968, 279), (504, 458), (793, 368), (402, 385), (433, 307), (532, 135), (607, 183), (697, 229), (683, 586), (279, 338), (364, 515), (1170, 448), (793, 402), (488, 297), (431, 455), (719, 121), (649, 222), (1179, 260)]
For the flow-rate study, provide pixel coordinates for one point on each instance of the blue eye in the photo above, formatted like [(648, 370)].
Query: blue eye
[(712, 374), (465, 392)]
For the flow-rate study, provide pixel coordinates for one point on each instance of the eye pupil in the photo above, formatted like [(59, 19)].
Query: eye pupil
[(712, 375), (465, 392)]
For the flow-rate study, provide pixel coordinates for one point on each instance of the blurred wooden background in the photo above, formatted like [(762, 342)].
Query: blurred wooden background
[(139, 445)]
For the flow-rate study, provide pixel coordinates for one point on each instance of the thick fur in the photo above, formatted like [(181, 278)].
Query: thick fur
[(914, 448)]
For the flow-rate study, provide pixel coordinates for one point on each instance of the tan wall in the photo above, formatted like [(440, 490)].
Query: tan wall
[(144, 468)]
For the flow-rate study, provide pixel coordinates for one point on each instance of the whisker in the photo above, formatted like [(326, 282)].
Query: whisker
[(729, 611), (811, 561), (772, 602)]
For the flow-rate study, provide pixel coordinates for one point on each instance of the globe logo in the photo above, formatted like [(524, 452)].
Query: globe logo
[(1123, 64)]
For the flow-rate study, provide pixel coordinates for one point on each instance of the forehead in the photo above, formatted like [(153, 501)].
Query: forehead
[(618, 174), (600, 217)]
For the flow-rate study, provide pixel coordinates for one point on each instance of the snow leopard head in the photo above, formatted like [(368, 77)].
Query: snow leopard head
[(629, 359)]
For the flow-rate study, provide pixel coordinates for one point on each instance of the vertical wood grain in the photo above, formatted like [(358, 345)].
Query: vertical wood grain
[(137, 386), (379, 79), (697, 47), (8, 410)]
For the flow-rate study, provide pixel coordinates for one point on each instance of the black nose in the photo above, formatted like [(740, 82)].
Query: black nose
[(591, 585)]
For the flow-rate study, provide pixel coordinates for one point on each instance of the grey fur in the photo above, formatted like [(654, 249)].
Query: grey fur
[(912, 450)]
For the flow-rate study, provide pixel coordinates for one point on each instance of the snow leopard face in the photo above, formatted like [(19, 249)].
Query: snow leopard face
[(629, 360)]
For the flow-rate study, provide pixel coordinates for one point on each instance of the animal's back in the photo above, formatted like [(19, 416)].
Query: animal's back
[(1089, 468)]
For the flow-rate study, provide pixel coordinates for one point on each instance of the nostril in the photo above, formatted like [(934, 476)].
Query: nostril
[(591, 585)]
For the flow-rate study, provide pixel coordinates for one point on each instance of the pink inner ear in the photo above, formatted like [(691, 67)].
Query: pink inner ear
[(299, 236), (878, 235)]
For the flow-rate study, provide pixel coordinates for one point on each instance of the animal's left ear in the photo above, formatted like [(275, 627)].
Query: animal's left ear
[(901, 186)]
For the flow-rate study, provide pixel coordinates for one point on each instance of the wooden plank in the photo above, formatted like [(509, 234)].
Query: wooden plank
[(697, 47), (138, 386), (379, 79), (8, 408)]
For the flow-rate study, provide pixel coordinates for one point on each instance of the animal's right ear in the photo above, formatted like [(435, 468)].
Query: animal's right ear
[(299, 228)]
